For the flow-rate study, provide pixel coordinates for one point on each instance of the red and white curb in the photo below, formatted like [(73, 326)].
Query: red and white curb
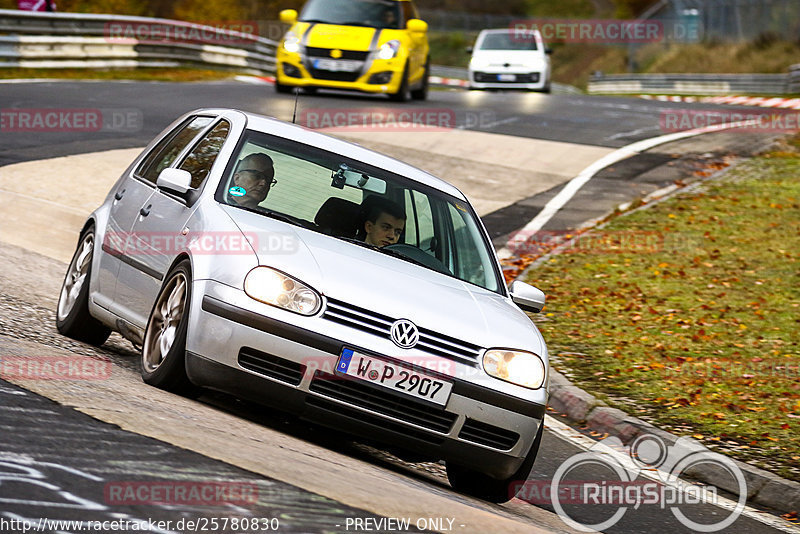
[(435, 80), (759, 101)]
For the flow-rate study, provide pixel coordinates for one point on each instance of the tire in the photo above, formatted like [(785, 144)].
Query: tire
[(422, 92), (403, 93), (164, 346), (490, 489), (282, 88), (72, 313)]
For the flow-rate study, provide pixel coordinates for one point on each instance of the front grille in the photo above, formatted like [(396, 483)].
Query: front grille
[(374, 420), (271, 365), (336, 76), (376, 399), (486, 77), (485, 434), (380, 325), (326, 53)]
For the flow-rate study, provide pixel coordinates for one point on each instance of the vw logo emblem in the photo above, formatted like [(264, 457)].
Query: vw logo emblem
[(404, 333)]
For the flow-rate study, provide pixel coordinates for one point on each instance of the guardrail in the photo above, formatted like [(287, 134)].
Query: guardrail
[(696, 84), (79, 40), (794, 79)]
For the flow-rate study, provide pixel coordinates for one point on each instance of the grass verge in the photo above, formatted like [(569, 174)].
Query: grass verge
[(687, 313)]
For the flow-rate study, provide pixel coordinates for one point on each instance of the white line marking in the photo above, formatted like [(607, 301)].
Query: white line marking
[(572, 187)]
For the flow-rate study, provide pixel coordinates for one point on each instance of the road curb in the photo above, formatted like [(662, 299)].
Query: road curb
[(581, 407)]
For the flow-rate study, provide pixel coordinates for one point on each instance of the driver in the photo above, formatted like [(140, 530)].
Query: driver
[(384, 223), (255, 176)]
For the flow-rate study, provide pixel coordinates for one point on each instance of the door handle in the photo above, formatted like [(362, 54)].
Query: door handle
[(144, 212), (118, 195)]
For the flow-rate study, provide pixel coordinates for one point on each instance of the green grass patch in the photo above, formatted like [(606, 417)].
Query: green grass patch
[(145, 74), (688, 312)]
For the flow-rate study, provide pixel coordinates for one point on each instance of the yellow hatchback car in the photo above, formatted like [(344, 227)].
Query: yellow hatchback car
[(373, 46)]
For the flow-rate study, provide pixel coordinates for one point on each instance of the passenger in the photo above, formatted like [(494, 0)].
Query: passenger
[(384, 223), (255, 175)]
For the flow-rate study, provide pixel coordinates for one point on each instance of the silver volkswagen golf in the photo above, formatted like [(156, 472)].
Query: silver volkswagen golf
[(255, 257)]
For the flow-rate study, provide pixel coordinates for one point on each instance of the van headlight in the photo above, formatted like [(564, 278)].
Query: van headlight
[(389, 49), (478, 63), (291, 43), (518, 367), (278, 289)]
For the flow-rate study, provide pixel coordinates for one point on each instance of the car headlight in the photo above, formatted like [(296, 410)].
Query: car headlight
[(291, 43), (522, 368), (389, 50), (278, 289), (478, 63)]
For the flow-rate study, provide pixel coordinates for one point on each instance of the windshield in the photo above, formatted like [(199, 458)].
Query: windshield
[(508, 41), (372, 13), (360, 204)]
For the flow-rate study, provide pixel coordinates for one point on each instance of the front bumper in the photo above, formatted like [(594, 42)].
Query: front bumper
[(373, 76), (521, 80), (250, 354)]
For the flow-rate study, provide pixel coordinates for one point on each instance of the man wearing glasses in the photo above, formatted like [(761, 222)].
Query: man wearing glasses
[(255, 176)]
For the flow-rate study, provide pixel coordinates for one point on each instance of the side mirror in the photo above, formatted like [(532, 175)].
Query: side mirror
[(548, 50), (417, 26), (288, 16), (175, 181), (468, 49), (527, 297)]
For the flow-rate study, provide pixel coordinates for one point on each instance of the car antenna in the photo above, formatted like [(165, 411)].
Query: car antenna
[(296, 96)]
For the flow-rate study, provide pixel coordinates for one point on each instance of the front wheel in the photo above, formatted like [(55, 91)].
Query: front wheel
[(164, 347), (403, 93), (72, 314), (483, 486), (282, 88), (422, 92)]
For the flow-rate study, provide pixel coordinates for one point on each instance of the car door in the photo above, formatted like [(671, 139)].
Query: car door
[(159, 225), (131, 192)]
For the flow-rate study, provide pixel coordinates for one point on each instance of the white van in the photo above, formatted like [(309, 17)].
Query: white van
[(510, 59)]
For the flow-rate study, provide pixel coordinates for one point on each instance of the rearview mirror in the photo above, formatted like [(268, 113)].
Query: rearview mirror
[(527, 297), (175, 180)]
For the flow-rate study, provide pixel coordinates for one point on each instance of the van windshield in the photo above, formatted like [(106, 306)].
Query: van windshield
[(361, 205), (508, 41), (371, 13)]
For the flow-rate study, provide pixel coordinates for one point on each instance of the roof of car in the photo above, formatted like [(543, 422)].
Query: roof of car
[(352, 150)]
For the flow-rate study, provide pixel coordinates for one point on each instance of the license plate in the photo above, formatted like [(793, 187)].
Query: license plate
[(506, 77), (335, 66), (394, 377)]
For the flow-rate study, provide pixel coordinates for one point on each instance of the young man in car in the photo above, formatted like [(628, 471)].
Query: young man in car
[(385, 221)]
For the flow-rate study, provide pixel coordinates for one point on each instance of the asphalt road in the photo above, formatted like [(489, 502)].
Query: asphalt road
[(137, 111), (57, 463)]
